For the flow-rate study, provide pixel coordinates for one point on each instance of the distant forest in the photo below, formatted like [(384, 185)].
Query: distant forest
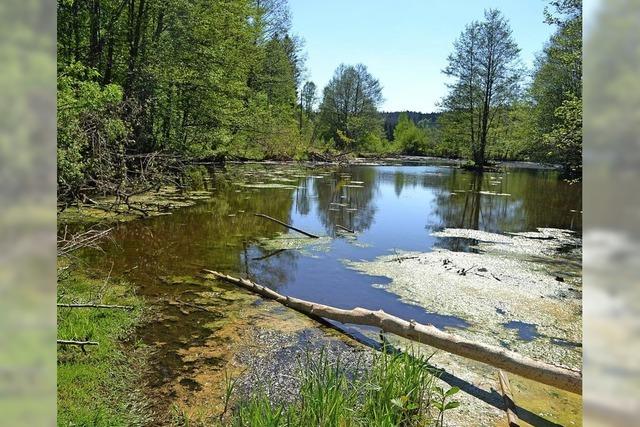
[(424, 120)]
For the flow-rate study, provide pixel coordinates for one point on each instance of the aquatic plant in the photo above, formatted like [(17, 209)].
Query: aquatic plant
[(396, 389)]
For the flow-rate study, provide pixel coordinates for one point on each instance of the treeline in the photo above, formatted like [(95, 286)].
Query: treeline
[(495, 109), (142, 83), (391, 119)]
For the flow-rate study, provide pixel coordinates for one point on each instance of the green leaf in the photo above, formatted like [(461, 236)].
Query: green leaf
[(452, 391), (412, 406), (452, 405)]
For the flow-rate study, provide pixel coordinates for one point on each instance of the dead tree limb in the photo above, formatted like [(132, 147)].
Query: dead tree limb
[(89, 238), (507, 396), (89, 305), (80, 344), (288, 226), (501, 358)]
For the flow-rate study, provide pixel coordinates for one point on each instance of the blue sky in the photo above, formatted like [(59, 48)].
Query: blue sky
[(404, 43)]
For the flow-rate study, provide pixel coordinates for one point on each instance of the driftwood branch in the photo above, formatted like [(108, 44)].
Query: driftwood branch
[(288, 226), (80, 344), (88, 305), (509, 403), (501, 358)]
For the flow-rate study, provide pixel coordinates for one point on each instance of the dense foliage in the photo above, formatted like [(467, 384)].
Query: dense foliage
[(199, 79), (349, 108), (557, 88), (410, 138)]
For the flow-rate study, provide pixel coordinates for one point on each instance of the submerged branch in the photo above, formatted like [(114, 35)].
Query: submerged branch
[(342, 227), (313, 236), (269, 255)]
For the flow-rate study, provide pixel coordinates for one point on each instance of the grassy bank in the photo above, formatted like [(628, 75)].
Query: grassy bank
[(99, 387), (392, 390)]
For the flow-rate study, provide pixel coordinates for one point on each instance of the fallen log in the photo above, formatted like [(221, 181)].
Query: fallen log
[(501, 358), (509, 403), (313, 236), (105, 306)]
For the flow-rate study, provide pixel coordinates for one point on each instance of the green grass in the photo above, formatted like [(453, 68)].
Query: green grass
[(97, 388), (396, 390)]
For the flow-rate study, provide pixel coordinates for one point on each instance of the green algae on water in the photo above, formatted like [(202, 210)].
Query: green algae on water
[(490, 289)]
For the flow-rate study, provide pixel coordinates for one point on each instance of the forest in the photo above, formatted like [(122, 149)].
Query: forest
[(147, 82)]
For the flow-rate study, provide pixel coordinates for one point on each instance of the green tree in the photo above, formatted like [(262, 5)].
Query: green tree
[(349, 108), (557, 83), (277, 76), (198, 79), (566, 136), (308, 97), (410, 138), (485, 70)]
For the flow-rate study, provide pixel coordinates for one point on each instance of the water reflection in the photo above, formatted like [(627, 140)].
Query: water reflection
[(346, 198), (391, 207)]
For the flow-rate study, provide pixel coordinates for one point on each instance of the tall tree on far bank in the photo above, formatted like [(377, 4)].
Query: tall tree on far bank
[(485, 70), (349, 108), (308, 97)]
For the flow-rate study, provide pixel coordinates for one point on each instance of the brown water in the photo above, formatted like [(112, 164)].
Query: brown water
[(391, 208)]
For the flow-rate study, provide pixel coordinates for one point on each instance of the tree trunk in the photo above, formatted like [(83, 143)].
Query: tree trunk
[(135, 22), (75, 10), (94, 36), (501, 358)]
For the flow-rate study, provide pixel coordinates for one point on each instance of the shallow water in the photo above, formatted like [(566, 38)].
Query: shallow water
[(391, 208)]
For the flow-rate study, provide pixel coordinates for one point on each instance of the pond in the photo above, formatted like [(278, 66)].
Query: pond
[(394, 210)]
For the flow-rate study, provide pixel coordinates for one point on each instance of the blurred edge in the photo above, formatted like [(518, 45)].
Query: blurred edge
[(27, 212), (612, 209)]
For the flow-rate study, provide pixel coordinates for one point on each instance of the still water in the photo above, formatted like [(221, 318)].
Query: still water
[(391, 208)]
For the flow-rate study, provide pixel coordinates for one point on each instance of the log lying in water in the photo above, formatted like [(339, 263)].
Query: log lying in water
[(501, 358), (313, 236)]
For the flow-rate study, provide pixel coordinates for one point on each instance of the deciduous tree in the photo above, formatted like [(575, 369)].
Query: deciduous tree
[(485, 72), (349, 108)]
